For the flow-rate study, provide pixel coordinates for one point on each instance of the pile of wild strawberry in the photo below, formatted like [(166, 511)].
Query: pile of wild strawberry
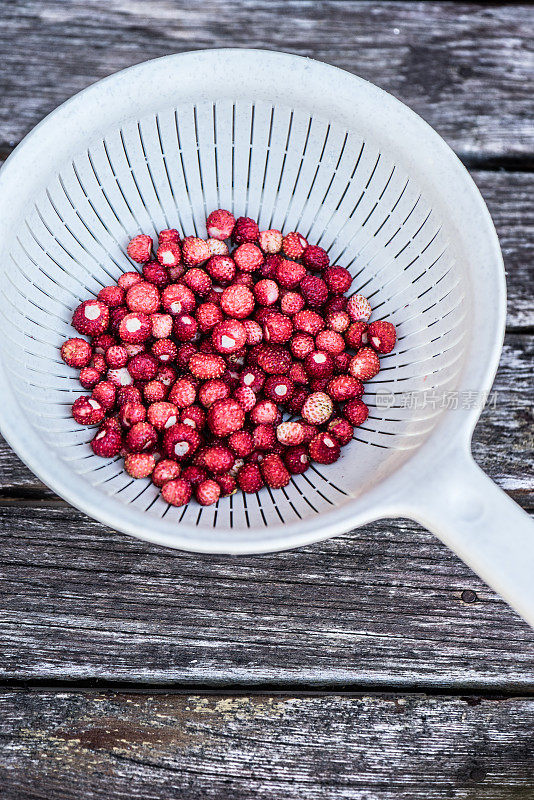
[(194, 363)]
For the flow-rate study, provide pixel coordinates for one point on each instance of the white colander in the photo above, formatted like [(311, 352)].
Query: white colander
[(298, 145)]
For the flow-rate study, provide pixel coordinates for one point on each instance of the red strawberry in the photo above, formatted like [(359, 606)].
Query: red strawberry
[(341, 429), (116, 356), (143, 297), (105, 393), (183, 393), (128, 394), (318, 364), (245, 230), (111, 295), (211, 391), (141, 437), (248, 257), (184, 328), (194, 251), (289, 274), (206, 366), (208, 492), (139, 248), (162, 415), (382, 336), (314, 290), (76, 353), (344, 387), (308, 321), (177, 492), (338, 279), (218, 458), (294, 244), (338, 321), (266, 292), (169, 254), (274, 471), (365, 364), (315, 258), (139, 465), (297, 373), (143, 367), (270, 241), (135, 328), (296, 460), (274, 360), (87, 411), (165, 471), (270, 265), (324, 449), (253, 331), (169, 235), (193, 416), (128, 279), (89, 377), (265, 412), (237, 301), (302, 345), (278, 388), (220, 224), (245, 397), (242, 443), (330, 342), (354, 334), (225, 417), (180, 442), (177, 298), (253, 377), (207, 316), (356, 412), (194, 473), (227, 483), (221, 268), (291, 303), (107, 442), (264, 437), (165, 351), (130, 413), (228, 336), (154, 272), (91, 318), (249, 478), (277, 328)]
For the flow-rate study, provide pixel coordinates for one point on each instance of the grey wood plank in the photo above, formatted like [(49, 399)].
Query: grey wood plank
[(385, 605), (502, 442), (465, 67), (133, 747)]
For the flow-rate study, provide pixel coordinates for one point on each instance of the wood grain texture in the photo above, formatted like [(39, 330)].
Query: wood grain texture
[(134, 747), (382, 606), (502, 443), (465, 67)]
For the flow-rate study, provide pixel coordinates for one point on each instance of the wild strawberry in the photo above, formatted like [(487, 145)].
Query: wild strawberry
[(175, 273), (245, 230), (290, 433), (296, 460), (274, 360), (103, 342), (264, 437), (337, 302), (341, 429), (206, 366), (162, 415), (315, 258), (274, 471), (89, 377), (337, 321), (141, 437), (218, 458), (318, 384), (116, 356), (338, 279), (76, 353), (194, 474), (270, 241), (169, 254), (301, 345), (382, 336), (143, 367), (220, 224), (248, 257), (289, 274), (297, 373), (319, 364), (266, 292), (294, 244), (277, 328), (180, 442), (358, 308), (356, 412), (291, 303), (241, 443), (265, 412), (308, 321), (116, 315), (253, 377), (131, 413), (221, 268), (225, 417), (270, 265), (87, 411), (318, 408), (177, 492), (194, 251), (127, 394), (177, 298), (111, 296), (330, 342), (183, 393), (164, 350), (135, 327), (139, 465), (237, 301), (183, 356), (354, 334), (341, 362), (128, 279), (154, 272), (228, 336), (105, 393), (245, 397), (165, 471), (184, 328), (227, 483), (98, 362), (324, 449), (278, 388), (314, 290), (253, 331), (208, 492), (169, 235), (217, 248), (344, 387), (91, 318), (143, 297), (198, 281), (193, 416), (365, 364), (207, 316), (107, 442), (249, 478), (139, 248), (211, 391)]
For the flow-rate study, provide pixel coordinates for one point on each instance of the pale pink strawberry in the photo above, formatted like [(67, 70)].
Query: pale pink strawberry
[(365, 364)]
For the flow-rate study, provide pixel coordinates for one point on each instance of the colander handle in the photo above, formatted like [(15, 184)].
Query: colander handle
[(479, 522)]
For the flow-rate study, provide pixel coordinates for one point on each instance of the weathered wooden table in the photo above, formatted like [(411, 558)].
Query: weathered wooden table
[(372, 666)]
